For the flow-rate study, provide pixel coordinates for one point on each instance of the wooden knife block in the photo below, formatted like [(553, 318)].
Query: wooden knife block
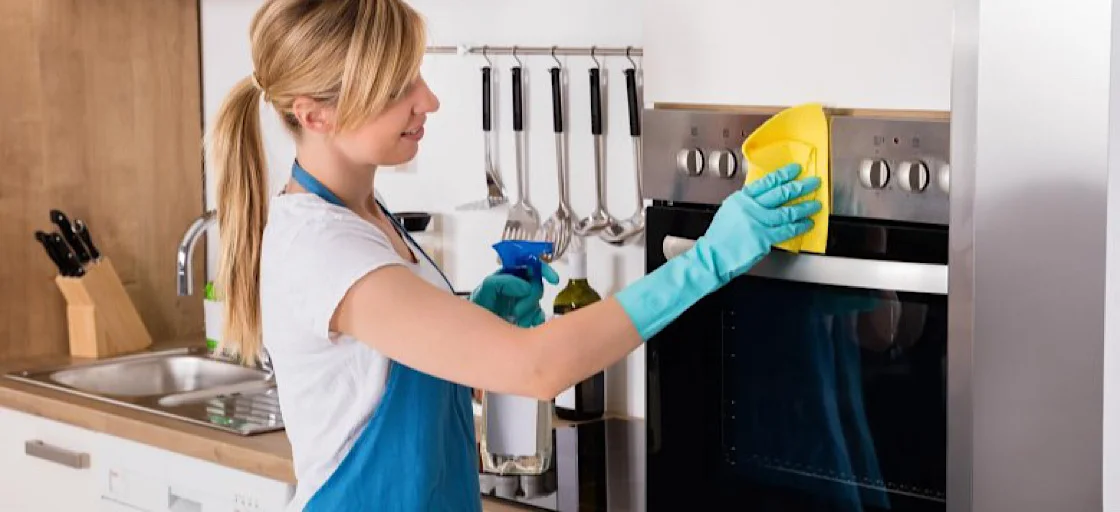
[(101, 318)]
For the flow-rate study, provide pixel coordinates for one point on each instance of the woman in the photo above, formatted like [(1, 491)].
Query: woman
[(374, 356)]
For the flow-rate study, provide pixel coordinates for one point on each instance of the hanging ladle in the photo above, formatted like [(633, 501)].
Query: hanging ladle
[(636, 224), (599, 220)]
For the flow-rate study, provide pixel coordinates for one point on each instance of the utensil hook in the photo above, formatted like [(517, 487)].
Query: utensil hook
[(485, 49), (632, 63), (515, 57), (597, 65), (552, 52)]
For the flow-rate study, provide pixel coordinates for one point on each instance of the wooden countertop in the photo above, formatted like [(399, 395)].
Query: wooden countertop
[(268, 455)]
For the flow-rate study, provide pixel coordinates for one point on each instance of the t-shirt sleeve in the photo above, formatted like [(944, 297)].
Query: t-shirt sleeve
[(326, 259)]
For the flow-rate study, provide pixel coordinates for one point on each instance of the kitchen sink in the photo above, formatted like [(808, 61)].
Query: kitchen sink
[(146, 376), (186, 384)]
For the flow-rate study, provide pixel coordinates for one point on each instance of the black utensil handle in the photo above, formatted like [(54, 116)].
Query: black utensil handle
[(73, 268), (56, 258), (557, 105), (518, 123), (83, 233), (487, 96), (596, 102), (67, 234), (632, 102)]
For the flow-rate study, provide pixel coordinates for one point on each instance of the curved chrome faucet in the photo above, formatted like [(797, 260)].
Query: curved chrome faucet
[(186, 251)]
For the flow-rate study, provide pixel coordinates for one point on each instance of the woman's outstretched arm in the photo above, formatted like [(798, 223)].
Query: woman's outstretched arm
[(413, 322)]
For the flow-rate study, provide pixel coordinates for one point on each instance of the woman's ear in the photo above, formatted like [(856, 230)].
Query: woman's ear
[(312, 115)]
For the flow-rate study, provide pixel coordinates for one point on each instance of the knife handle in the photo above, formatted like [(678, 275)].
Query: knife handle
[(73, 267), (56, 258), (83, 233), (59, 219)]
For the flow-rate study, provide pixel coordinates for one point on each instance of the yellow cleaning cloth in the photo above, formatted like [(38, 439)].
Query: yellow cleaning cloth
[(795, 135)]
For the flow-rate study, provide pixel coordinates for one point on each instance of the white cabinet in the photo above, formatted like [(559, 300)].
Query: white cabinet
[(848, 53), (55, 473), (75, 469)]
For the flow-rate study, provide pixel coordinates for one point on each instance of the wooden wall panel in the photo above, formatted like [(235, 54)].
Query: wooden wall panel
[(100, 116)]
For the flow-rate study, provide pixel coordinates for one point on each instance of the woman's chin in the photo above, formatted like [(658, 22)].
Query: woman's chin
[(402, 160)]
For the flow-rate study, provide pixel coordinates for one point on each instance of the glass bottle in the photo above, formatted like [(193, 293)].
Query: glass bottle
[(585, 400)]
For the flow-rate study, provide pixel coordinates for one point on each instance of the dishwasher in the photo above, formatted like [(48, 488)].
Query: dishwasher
[(137, 477)]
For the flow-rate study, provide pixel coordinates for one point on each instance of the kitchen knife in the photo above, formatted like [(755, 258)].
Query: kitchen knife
[(45, 240), (83, 232), (67, 232), (71, 266)]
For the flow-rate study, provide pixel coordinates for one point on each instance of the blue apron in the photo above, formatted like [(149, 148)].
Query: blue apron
[(418, 451)]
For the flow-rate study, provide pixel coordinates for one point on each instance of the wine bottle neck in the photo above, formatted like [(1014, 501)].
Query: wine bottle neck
[(577, 267)]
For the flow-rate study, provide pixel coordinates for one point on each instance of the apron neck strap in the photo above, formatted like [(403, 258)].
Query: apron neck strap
[(313, 185)]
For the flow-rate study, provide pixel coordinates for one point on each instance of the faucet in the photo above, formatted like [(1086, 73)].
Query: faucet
[(186, 251), (185, 277)]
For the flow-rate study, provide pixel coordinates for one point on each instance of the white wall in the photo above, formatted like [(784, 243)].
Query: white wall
[(449, 171)]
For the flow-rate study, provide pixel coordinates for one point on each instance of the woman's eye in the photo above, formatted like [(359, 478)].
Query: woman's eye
[(405, 91)]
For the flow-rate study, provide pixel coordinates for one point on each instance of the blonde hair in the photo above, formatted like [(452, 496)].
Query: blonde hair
[(353, 55)]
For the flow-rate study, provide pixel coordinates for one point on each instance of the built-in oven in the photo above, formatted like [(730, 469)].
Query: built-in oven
[(816, 382)]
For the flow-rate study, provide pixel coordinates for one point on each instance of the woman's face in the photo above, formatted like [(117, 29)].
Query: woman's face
[(393, 136)]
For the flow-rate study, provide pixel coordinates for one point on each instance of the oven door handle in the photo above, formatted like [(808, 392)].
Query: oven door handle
[(837, 271)]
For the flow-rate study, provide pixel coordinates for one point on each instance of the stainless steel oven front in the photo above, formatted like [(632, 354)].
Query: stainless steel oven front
[(815, 382)]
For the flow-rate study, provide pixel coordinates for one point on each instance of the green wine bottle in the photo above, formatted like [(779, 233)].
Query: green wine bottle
[(586, 400)]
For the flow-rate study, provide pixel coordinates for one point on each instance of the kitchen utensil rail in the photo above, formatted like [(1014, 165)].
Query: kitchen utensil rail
[(598, 51)]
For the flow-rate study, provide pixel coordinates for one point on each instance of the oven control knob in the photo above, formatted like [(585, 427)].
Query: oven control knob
[(914, 177), (723, 164), (874, 174), (690, 161), (943, 177)]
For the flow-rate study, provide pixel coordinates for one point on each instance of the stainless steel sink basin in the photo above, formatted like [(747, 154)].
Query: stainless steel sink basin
[(183, 383), (170, 374)]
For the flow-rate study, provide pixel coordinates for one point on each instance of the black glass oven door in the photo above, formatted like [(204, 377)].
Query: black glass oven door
[(813, 384), (832, 398)]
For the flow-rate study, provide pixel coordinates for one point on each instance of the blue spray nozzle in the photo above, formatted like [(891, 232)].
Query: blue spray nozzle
[(522, 258)]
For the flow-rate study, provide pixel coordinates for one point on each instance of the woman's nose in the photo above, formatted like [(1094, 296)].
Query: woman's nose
[(429, 102)]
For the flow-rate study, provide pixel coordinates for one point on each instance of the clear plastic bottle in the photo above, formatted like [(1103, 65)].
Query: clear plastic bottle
[(509, 412), (516, 431)]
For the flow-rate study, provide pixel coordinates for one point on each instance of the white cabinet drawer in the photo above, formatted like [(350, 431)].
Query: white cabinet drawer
[(75, 469), (46, 465)]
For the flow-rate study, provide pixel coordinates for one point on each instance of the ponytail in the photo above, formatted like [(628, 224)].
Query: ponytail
[(237, 154), (353, 54)]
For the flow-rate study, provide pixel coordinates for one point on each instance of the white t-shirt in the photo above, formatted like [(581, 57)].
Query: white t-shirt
[(328, 384)]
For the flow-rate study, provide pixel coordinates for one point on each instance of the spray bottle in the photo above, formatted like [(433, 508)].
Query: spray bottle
[(516, 431), (522, 258)]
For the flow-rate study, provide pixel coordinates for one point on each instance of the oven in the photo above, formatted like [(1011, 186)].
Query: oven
[(816, 382)]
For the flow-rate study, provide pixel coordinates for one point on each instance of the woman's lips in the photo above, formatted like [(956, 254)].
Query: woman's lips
[(416, 134)]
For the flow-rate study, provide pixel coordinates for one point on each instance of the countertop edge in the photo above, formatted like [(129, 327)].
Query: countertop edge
[(150, 429)]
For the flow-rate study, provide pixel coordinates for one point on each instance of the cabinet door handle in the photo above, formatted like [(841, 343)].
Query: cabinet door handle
[(37, 448)]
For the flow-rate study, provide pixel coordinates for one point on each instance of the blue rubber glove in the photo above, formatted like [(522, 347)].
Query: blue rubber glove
[(744, 228), (513, 298)]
